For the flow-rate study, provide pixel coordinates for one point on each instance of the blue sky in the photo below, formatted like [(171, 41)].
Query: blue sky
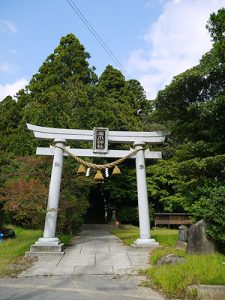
[(153, 39)]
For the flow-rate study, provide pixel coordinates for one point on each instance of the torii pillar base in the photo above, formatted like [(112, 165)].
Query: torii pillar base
[(46, 246), (145, 243)]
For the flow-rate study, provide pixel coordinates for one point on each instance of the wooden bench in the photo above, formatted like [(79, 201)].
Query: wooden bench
[(172, 219)]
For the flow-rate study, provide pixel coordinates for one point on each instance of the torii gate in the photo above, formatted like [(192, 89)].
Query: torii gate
[(50, 243)]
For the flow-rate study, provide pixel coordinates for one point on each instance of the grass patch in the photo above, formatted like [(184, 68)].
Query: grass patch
[(173, 280), (19, 245), (166, 237), (12, 250), (65, 239), (128, 236)]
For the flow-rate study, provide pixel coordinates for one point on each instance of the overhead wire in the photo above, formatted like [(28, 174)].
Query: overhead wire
[(97, 36)]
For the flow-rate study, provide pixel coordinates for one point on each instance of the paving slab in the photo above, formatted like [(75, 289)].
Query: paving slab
[(36, 271), (125, 270), (78, 260), (112, 259), (95, 248), (76, 248), (48, 261), (62, 271), (138, 258), (96, 270)]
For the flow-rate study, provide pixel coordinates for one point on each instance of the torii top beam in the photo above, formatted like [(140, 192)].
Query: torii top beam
[(47, 133)]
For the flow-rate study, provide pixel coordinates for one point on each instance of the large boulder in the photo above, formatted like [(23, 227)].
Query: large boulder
[(197, 240)]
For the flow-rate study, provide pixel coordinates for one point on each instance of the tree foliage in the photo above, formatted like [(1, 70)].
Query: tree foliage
[(164, 181), (65, 93), (192, 107)]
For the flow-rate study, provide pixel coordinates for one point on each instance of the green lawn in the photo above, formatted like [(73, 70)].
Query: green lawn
[(166, 237), (173, 280), (12, 250)]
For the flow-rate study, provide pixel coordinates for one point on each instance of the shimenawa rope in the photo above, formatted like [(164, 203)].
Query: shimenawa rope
[(95, 166)]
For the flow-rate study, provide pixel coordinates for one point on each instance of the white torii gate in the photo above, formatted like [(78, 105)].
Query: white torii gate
[(50, 243)]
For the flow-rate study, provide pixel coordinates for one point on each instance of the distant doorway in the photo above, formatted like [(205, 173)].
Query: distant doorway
[(96, 211)]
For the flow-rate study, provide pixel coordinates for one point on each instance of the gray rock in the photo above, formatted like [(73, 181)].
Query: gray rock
[(197, 240), (181, 245), (170, 259)]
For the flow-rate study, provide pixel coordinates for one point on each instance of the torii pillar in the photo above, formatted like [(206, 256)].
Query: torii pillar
[(51, 244), (143, 207), (53, 197)]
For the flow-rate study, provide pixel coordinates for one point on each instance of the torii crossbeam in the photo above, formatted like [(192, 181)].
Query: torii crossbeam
[(100, 138)]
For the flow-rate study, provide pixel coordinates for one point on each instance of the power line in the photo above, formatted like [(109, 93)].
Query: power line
[(97, 36)]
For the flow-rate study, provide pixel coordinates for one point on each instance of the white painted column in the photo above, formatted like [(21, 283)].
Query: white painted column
[(49, 238), (143, 207)]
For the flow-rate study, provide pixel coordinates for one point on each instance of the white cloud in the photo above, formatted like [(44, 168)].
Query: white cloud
[(8, 68), (6, 25), (12, 89), (174, 43), (5, 68)]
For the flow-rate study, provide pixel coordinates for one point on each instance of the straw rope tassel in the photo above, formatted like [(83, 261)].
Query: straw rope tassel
[(116, 171), (81, 170), (98, 176)]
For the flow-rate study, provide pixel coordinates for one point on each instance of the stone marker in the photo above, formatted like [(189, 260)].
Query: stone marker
[(197, 240), (182, 237), (183, 233)]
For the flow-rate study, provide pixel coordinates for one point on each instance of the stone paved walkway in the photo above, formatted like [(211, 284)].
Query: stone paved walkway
[(97, 266), (94, 252)]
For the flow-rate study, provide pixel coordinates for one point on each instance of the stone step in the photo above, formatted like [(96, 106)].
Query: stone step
[(46, 248), (33, 253), (37, 250), (206, 292)]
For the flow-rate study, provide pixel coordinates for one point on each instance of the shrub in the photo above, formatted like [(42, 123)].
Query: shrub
[(128, 215), (211, 207), (26, 201), (24, 191)]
